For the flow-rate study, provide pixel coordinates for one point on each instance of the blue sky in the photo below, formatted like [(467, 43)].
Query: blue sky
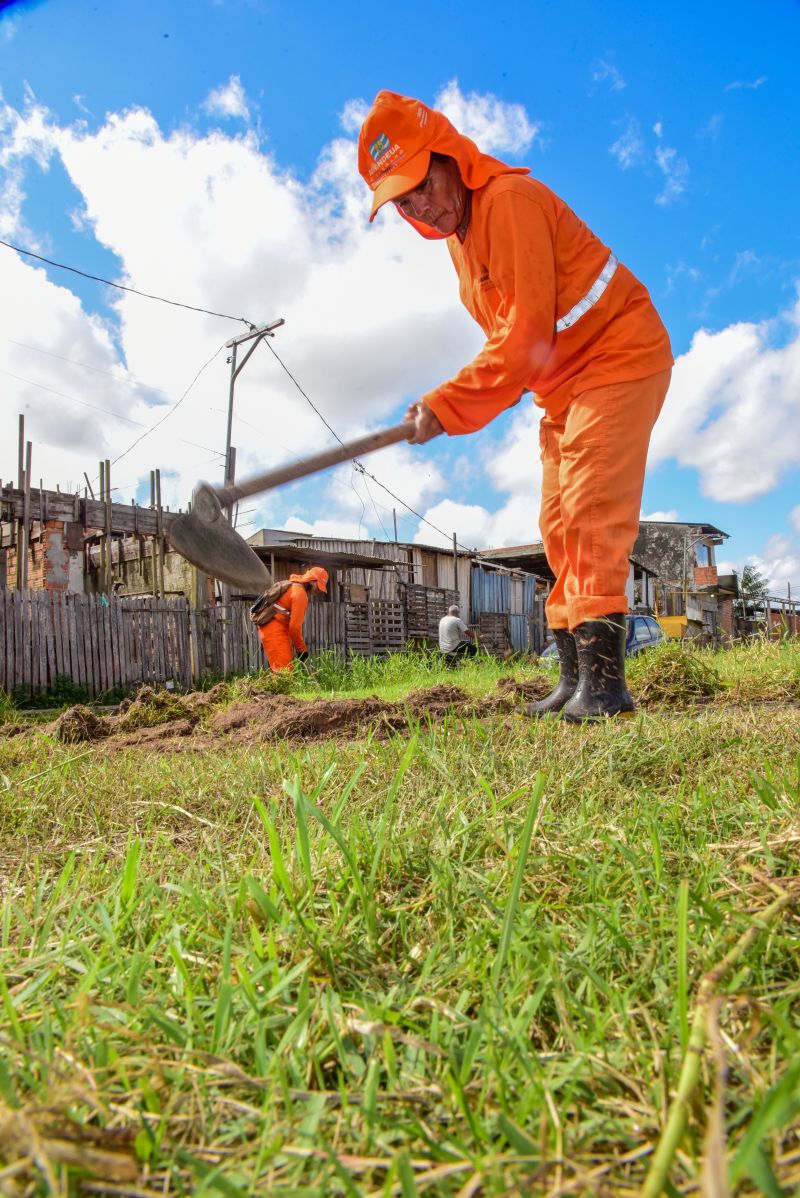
[(205, 151)]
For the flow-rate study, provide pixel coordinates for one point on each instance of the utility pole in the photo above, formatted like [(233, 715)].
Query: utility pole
[(256, 335)]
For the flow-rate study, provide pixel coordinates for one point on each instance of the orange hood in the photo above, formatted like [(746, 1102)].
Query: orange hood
[(395, 145), (317, 574)]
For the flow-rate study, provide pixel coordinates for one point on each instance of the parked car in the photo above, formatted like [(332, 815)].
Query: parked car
[(643, 633)]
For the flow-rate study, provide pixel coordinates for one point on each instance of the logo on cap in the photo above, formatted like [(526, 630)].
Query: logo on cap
[(379, 147)]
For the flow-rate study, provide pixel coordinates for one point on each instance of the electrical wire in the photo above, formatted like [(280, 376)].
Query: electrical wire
[(130, 381), (176, 405), (107, 411), (121, 287), (356, 463)]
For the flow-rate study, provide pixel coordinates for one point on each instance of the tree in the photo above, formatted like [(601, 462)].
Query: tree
[(753, 587), (753, 584)]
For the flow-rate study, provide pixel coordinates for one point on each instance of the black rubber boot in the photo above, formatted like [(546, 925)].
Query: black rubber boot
[(601, 687), (568, 679)]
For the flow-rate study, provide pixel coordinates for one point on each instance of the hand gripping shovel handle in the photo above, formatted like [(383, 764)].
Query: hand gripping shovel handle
[(227, 496)]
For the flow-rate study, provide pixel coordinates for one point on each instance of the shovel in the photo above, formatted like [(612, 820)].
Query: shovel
[(205, 538)]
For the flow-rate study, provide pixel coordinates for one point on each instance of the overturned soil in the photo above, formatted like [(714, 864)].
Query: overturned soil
[(252, 713), (197, 721)]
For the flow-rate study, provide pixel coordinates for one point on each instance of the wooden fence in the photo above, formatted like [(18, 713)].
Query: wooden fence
[(104, 644)]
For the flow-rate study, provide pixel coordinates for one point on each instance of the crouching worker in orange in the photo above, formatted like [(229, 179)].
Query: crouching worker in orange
[(564, 319), (279, 614)]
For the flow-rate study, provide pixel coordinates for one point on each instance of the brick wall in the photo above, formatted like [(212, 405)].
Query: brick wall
[(48, 560), (705, 576), (726, 616)]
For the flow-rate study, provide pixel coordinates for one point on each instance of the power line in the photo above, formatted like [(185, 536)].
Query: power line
[(130, 381), (356, 463), (62, 395), (107, 411), (121, 287), (176, 405)]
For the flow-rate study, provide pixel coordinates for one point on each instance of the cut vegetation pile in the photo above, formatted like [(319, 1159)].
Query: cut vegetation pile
[(77, 724), (674, 674), (407, 946)]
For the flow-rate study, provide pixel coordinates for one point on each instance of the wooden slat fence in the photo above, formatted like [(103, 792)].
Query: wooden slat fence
[(104, 645), (100, 645)]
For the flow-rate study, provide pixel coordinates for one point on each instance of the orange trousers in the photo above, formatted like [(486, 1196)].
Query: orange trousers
[(593, 458), (277, 644)]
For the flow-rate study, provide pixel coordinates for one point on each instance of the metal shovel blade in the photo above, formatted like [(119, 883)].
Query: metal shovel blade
[(206, 539)]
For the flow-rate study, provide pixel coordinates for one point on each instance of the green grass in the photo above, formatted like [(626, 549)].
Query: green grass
[(463, 960)]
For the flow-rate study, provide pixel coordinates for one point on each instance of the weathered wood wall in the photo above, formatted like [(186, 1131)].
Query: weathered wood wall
[(103, 644)]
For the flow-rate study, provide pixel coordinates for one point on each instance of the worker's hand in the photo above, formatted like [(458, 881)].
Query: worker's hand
[(427, 423), (303, 656)]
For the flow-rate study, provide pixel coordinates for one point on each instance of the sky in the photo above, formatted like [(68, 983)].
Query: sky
[(204, 151)]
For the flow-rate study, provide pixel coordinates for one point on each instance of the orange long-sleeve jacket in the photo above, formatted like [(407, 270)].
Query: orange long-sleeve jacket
[(526, 261), (291, 611)]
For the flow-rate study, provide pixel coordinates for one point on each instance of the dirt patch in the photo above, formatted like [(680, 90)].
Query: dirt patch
[(79, 724), (280, 717), (531, 689), (165, 722)]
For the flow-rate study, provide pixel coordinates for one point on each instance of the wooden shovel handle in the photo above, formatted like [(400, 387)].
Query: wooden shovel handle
[(320, 461)]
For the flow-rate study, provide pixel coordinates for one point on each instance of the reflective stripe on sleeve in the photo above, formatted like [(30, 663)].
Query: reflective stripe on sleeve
[(592, 296)]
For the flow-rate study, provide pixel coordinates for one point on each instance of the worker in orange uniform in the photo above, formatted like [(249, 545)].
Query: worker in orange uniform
[(564, 319), (283, 634)]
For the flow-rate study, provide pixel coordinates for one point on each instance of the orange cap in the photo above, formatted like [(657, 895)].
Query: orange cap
[(395, 146), (317, 574)]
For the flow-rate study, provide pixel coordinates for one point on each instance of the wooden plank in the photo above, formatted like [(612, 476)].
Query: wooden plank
[(24, 649), (84, 663), (91, 646), (125, 643), (109, 630), (128, 616), (43, 621), (45, 638), (83, 616), (108, 680), (71, 639), (185, 656), (141, 631), (57, 616), (195, 646), (113, 631), (3, 632), (33, 616), (98, 620), (122, 644), (152, 648), (158, 634)]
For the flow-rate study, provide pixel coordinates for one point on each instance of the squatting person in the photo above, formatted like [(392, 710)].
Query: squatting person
[(454, 640), (564, 319)]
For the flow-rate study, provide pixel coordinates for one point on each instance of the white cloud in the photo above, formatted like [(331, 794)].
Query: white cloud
[(9, 26), (668, 516), (496, 126), (779, 564), (731, 412), (744, 84), (629, 149), (606, 72), (514, 469), (674, 169), (794, 518), (229, 100), (361, 336)]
